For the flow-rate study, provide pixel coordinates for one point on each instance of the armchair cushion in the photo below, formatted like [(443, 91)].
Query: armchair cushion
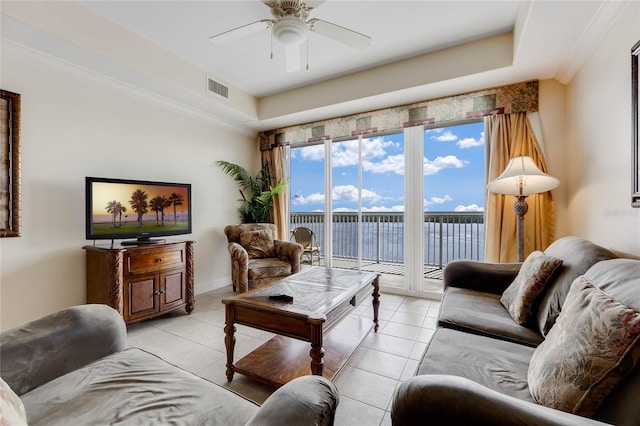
[(594, 344), (258, 243), (532, 277), (268, 268)]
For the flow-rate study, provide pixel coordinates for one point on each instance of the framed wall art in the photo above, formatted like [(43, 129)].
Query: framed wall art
[(635, 120), (10, 164)]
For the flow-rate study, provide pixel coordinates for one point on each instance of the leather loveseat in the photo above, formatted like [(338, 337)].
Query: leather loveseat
[(479, 366), (72, 368)]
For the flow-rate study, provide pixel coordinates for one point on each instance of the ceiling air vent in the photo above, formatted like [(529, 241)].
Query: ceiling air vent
[(217, 88)]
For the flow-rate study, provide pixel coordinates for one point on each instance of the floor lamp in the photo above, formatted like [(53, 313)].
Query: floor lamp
[(521, 178)]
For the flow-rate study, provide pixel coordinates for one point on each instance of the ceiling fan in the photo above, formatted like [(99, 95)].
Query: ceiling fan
[(290, 27)]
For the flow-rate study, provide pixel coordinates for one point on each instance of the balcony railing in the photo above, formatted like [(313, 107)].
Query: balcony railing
[(446, 236)]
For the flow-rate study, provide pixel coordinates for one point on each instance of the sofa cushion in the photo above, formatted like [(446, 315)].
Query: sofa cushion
[(496, 364), (258, 243), (594, 344), (11, 407), (482, 313), (532, 277), (134, 387), (577, 255), (619, 279)]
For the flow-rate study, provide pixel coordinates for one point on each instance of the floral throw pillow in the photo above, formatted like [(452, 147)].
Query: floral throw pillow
[(531, 279), (593, 345), (258, 243), (11, 408)]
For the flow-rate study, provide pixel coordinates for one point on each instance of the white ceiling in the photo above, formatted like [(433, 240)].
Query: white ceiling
[(550, 39)]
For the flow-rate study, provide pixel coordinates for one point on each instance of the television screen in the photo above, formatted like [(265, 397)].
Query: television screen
[(144, 210)]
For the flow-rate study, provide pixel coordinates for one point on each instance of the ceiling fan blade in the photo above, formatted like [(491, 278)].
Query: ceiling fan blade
[(341, 34), (240, 32), (292, 57)]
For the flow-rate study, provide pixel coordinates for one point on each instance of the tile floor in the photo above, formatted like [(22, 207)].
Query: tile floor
[(383, 360)]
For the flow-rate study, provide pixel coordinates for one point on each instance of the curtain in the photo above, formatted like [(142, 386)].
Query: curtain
[(508, 136), (274, 160)]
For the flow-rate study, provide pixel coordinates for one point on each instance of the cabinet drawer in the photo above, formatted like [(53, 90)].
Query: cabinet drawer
[(155, 260)]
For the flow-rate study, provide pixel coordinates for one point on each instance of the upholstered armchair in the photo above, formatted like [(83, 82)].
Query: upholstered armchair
[(257, 258)]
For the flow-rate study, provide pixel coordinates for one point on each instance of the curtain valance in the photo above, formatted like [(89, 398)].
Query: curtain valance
[(519, 97)]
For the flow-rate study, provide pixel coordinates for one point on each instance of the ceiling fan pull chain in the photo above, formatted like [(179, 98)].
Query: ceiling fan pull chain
[(307, 54), (271, 46)]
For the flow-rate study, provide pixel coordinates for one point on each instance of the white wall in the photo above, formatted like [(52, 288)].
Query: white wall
[(72, 128), (553, 122), (599, 141)]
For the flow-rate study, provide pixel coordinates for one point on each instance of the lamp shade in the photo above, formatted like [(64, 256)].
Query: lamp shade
[(522, 177)]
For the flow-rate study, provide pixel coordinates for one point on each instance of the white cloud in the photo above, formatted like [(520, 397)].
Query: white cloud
[(309, 199), (393, 163), (437, 200), (312, 153), (345, 193), (371, 209), (340, 194), (346, 153), (448, 162), (383, 209), (445, 137), (471, 142), (469, 208)]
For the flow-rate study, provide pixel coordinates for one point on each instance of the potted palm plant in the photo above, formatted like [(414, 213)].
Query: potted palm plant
[(256, 191)]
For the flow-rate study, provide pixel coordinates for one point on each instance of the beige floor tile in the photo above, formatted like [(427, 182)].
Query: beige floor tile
[(390, 344), (409, 369), (409, 318), (369, 388), (401, 330), (355, 413), (342, 375), (211, 317), (430, 322), (383, 364), (418, 350), (208, 335), (386, 420), (424, 335)]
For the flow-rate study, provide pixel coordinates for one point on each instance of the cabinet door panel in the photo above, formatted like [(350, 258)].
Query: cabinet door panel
[(174, 288), (141, 296)]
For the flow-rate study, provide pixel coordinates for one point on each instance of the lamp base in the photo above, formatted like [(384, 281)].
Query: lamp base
[(520, 207)]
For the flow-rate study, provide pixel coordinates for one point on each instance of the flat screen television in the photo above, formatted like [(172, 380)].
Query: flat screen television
[(142, 211)]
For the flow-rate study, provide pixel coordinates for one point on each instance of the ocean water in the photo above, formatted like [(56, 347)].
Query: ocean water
[(443, 243)]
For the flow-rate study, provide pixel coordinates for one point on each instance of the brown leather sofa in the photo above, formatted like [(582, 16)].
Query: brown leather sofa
[(72, 368), (475, 368)]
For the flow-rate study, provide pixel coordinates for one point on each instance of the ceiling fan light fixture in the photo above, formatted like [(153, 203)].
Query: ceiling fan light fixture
[(290, 31)]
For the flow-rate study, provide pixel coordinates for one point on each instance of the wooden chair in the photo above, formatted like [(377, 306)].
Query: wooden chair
[(307, 239)]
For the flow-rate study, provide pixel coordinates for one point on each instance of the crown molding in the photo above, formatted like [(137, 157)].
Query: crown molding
[(596, 29), (55, 64)]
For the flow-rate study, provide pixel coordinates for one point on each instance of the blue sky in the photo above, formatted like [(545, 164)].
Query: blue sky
[(453, 169)]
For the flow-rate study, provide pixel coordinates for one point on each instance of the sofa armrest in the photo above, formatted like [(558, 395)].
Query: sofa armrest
[(451, 400), (54, 345), (307, 400), (481, 276), (239, 267), (291, 252)]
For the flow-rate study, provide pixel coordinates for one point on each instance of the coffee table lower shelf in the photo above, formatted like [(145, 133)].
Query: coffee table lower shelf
[(282, 358)]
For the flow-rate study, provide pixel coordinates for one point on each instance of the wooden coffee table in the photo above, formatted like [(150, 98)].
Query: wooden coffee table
[(322, 298)]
